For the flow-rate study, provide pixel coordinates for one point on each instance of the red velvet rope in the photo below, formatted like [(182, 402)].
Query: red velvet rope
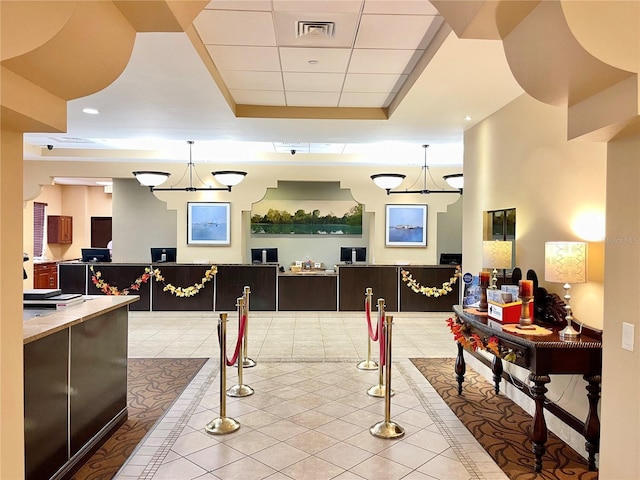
[(231, 362), (382, 342), (367, 309)]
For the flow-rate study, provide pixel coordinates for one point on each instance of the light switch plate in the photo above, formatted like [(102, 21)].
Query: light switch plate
[(627, 336)]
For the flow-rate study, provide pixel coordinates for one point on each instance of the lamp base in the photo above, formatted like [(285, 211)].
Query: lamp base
[(569, 333)]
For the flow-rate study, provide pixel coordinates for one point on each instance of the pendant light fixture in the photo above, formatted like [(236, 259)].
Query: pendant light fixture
[(389, 181), (153, 179)]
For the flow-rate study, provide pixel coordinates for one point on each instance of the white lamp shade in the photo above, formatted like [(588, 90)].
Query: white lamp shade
[(496, 254), (229, 177), (565, 262), (151, 179), (387, 180), (456, 180)]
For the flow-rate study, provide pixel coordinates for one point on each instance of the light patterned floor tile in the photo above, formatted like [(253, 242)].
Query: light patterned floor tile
[(310, 415)]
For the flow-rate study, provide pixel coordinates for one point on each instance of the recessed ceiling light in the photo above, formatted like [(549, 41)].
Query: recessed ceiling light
[(313, 62), (91, 111), (467, 118)]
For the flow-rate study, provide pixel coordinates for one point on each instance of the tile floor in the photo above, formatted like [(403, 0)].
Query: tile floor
[(310, 415)]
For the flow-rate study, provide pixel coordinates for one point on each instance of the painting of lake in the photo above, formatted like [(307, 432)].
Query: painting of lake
[(324, 217), (406, 225)]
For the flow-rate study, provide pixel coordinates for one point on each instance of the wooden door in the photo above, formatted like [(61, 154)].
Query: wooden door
[(100, 231)]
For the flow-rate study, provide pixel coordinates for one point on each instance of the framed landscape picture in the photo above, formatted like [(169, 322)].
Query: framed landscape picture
[(406, 226), (208, 223)]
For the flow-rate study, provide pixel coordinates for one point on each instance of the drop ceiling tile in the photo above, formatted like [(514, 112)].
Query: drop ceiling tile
[(346, 25), (312, 99), (330, 60), (258, 97), (239, 80), (355, 99), (400, 31), (323, 6), (226, 27), (364, 82), (253, 5), (364, 60), (400, 7), (228, 57), (313, 82)]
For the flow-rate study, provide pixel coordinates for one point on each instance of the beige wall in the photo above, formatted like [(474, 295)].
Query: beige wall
[(80, 202), (519, 157), (260, 177), (620, 440)]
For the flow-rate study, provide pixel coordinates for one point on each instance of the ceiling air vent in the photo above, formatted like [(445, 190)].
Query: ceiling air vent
[(306, 28)]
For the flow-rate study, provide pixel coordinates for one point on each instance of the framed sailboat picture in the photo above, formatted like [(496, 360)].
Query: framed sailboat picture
[(406, 226), (208, 223)]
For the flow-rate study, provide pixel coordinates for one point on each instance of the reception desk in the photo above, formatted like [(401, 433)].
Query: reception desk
[(271, 290), (75, 382)]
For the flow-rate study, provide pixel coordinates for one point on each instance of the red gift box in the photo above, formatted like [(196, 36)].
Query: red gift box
[(507, 312)]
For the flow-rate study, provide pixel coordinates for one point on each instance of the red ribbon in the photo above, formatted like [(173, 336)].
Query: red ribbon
[(383, 342), (231, 362), (367, 309)]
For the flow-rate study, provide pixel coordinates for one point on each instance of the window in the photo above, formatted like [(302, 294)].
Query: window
[(39, 230)]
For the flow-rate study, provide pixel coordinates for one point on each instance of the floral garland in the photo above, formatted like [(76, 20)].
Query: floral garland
[(474, 343), (431, 291), (190, 291)]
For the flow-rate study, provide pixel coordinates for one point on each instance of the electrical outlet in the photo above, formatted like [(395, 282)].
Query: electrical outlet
[(627, 336)]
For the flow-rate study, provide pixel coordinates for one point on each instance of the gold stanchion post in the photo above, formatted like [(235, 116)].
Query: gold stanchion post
[(240, 390), (379, 390), (368, 364), (387, 428), (246, 361), (222, 424)]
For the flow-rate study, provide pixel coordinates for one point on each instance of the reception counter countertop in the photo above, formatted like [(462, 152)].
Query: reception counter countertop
[(48, 323)]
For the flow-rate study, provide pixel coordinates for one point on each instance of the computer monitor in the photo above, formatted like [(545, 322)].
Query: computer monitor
[(347, 254), (450, 259), (270, 255), (95, 255), (163, 254)]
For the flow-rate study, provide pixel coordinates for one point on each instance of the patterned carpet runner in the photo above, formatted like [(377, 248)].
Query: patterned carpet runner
[(153, 386), (501, 426)]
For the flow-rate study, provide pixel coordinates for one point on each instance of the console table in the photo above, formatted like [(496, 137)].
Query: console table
[(542, 356)]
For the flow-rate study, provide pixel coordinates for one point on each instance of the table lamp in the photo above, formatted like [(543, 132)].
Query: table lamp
[(566, 262), (496, 254)]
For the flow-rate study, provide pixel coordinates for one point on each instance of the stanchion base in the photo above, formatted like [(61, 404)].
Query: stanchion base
[(240, 391), (367, 365), (379, 391), (246, 363), (387, 430), (222, 425)]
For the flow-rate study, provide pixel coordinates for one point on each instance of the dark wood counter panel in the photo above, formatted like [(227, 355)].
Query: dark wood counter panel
[(261, 279), (271, 290), (428, 276), (308, 292), (75, 383), (355, 279)]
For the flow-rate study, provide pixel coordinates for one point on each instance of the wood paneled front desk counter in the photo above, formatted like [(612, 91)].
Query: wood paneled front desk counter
[(271, 290), (75, 382)]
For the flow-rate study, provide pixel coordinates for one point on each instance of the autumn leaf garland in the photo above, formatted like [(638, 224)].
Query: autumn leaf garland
[(447, 287), (474, 343), (190, 291)]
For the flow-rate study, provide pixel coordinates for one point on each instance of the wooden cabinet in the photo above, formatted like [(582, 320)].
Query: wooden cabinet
[(59, 229), (45, 275)]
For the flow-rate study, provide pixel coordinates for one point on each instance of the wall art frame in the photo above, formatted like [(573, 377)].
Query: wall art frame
[(208, 223), (406, 225)]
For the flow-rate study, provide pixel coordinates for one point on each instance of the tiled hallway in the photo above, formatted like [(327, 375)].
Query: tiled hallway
[(310, 415)]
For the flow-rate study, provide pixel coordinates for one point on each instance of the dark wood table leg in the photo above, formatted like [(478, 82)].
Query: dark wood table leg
[(538, 424), (592, 424), (497, 369), (460, 368)]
